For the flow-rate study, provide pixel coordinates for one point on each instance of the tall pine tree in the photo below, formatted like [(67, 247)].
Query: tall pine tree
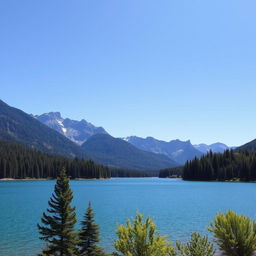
[(89, 235), (58, 227)]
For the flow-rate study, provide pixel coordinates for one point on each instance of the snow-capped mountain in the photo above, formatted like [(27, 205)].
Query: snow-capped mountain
[(80, 131), (77, 131), (215, 147), (180, 151)]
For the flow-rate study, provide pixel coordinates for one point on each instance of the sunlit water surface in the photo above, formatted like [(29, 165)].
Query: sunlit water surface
[(178, 207)]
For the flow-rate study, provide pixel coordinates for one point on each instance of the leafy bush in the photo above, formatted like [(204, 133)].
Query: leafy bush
[(197, 246), (235, 234), (140, 238)]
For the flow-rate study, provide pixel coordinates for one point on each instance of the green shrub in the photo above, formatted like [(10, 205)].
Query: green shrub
[(140, 238), (235, 234), (197, 246)]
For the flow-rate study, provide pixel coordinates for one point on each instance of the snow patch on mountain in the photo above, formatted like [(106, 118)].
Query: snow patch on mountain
[(77, 131)]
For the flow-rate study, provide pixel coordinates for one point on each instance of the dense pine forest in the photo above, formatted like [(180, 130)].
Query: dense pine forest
[(132, 173), (175, 172), (19, 162), (230, 165)]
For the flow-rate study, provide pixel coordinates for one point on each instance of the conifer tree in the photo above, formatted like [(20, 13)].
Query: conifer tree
[(58, 227), (89, 235)]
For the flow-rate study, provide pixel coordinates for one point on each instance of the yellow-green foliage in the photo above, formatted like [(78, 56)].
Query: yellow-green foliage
[(197, 246), (235, 234), (140, 238)]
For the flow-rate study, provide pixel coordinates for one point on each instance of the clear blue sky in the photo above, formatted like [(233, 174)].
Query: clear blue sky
[(163, 68)]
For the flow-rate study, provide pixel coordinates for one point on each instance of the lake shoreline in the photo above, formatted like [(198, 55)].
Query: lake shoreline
[(81, 179), (46, 179)]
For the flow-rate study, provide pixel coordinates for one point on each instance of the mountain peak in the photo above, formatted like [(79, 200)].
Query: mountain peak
[(217, 147), (49, 115), (150, 138), (20, 127), (55, 115), (76, 131)]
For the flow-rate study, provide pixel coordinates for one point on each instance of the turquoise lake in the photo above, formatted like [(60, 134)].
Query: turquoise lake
[(178, 207)]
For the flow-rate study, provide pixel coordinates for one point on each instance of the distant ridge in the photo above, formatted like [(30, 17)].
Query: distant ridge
[(179, 151), (118, 153), (215, 147), (250, 146)]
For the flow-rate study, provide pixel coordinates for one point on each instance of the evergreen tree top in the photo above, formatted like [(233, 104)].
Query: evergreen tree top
[(58, 227), (89, 234)]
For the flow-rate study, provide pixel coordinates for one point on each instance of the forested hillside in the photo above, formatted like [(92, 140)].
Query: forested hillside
[(230, 165), (19, 162)]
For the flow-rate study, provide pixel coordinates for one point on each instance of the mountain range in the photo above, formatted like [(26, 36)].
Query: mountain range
[(180, 151), (22, 128), (80, 131), (115, 152), (52, 133)]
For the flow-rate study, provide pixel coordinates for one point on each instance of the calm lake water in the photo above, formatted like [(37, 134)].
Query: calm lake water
[(178, 207)]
